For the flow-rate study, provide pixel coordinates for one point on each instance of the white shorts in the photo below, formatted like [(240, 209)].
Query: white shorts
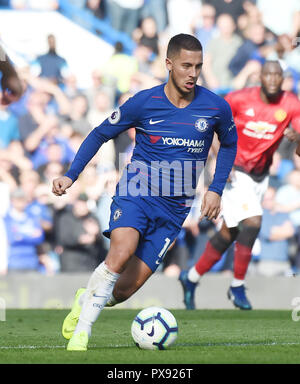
[(242, 198)]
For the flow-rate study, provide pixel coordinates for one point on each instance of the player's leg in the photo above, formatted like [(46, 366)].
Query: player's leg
[(124, 242), (157, 240), (249, 230), (249, 215), (219, 243), (132, 278), (213, 252), (127, 222)]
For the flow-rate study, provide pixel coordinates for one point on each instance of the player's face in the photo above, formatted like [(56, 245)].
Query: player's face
[(271, 79), (184, 69)]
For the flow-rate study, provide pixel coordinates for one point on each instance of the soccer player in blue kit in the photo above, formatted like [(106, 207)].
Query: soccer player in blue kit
[(175, 123)]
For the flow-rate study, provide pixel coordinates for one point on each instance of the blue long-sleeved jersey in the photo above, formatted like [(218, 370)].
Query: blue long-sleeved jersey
[(171, 143)]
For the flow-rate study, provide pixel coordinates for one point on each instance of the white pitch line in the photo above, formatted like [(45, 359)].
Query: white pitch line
[(32, 346), (56, 346), (178, 345), (258, 344)]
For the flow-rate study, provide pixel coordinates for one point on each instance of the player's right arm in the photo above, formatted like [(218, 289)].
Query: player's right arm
[(120, 120)]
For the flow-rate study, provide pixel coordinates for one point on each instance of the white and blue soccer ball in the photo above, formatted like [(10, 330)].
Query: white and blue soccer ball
[(154, 328)]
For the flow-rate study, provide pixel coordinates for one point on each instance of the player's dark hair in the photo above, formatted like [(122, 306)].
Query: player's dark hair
[(183, 41), (268, 62)]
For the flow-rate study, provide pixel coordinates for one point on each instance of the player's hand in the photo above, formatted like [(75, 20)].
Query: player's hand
[(60, 185), (211, 206)]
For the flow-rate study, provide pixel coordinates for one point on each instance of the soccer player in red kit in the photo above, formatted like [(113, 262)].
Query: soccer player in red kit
[(261, 115)]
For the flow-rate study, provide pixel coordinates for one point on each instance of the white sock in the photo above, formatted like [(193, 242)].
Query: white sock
[(81, 298), (237, 283), (99, 290), (193, 275)]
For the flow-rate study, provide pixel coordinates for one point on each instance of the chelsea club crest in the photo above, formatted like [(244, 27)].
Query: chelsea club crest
[(117, 214), (201, 125)]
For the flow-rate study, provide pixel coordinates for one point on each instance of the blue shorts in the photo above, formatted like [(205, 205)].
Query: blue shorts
[(153, 221)]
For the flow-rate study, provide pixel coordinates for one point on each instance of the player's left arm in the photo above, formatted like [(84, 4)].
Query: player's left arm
[(11, 84), (227, 135)]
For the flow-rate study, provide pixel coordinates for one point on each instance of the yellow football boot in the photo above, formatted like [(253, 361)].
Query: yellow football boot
[(78, 342), (71, 319)]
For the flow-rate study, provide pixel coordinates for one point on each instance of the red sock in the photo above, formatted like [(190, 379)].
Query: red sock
[(242, 257), (208, 258)]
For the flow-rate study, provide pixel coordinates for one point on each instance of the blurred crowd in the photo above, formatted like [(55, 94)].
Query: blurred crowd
[(41, 133)]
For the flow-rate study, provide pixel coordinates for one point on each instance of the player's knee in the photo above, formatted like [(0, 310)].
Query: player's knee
[(228, 234), (254, 222), (248, 235), (220, 243), (117, 258)]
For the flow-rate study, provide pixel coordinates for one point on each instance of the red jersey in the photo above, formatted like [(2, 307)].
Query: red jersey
[(260, 127)]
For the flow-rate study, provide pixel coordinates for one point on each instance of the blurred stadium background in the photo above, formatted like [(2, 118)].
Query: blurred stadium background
[(78, 60)]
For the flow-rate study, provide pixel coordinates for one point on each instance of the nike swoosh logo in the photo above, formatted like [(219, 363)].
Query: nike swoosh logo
[(98, 296), (152, 332), (155, 122), (68, 330)]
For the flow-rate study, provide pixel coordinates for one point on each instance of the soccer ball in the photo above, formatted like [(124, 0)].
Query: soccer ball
[(154, 328)]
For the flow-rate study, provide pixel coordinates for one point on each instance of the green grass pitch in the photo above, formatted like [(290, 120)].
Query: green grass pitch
[(205, 337)]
